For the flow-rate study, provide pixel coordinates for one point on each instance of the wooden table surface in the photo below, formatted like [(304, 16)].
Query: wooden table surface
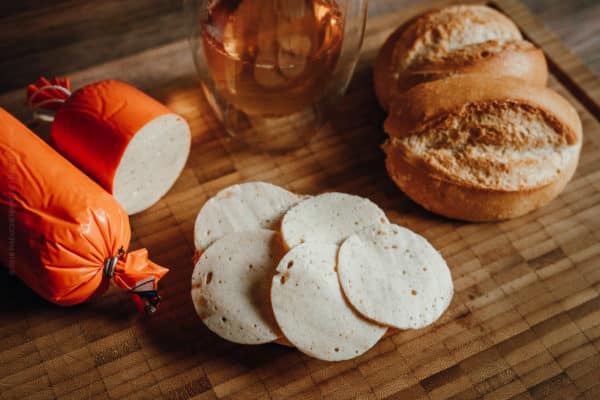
[(524, 322), (61, 36)]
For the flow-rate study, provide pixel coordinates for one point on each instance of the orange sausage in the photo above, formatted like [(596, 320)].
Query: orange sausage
[(96, 129), (66, 236)]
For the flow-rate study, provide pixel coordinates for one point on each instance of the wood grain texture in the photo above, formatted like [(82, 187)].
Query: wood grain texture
[(62, 36), (56, 37), (524, 322)]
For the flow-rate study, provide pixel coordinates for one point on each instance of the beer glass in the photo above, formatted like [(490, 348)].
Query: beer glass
[(273, 69)]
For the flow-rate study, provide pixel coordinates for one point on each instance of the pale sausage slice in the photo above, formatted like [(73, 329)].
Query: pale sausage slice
[(244, 207), (231, 284), (329, 218), (395, 277), (310, 309)]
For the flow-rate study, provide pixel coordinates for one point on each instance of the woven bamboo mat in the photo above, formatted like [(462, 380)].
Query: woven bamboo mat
[(524, 322)]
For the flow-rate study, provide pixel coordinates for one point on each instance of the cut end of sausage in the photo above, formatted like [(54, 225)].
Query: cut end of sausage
[(152, 162)]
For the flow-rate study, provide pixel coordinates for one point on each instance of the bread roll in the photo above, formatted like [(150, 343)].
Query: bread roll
[(481, 148), (455, 40)]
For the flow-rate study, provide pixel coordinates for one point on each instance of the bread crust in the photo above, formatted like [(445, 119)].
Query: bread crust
[(383, 70), (420, 109), (437, 32), (467, 203), (413, 109), (522, 59), (474, 133), (525, 63)]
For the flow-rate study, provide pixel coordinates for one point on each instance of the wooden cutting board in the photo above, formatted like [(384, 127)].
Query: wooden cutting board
[(524, 322)]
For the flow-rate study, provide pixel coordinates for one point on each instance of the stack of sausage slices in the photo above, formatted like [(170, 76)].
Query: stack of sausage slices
[(327, 274)]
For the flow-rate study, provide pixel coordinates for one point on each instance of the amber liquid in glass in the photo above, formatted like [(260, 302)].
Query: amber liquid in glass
[(272, 57)]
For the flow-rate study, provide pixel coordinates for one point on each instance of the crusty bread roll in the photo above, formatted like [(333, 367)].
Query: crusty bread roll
[(455, 40), (481, 148)]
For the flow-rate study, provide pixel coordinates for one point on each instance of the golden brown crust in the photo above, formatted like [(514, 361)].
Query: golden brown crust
[(470, 204), (521, 62), (383, 70), (510, 147), (473, 53), (437, 32), (474, 133), (407, 58), (415, 108)]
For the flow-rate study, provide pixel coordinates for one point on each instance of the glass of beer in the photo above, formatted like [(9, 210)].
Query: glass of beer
[(273, 69)]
